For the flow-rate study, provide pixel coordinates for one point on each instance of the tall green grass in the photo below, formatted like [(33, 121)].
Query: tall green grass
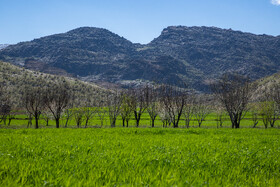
[(139, 157)]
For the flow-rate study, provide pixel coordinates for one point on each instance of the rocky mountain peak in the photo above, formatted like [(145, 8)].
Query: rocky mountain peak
[(92, 32)]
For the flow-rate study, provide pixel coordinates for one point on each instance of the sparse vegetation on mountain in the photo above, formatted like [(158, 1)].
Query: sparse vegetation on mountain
[(16, 79), (195, 55)]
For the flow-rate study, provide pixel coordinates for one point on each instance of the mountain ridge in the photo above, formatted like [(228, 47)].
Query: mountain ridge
[(192, 55), (2, 46)]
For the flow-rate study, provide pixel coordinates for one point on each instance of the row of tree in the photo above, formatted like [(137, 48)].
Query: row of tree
[(167, 102), (232, 94), (235, 93)]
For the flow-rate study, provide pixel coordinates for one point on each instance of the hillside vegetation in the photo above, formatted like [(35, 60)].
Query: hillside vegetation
[(15, 79), (265, 84)]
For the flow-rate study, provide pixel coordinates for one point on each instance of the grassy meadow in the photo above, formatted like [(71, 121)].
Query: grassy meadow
[(139, 157), (207, 156)]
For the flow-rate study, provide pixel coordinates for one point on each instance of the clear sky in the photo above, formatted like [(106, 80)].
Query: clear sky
[(139, 21)]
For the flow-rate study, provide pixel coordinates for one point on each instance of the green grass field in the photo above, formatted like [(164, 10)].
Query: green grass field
[(21, 122), (140, 157)]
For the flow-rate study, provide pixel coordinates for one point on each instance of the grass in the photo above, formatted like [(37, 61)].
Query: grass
[(21, 122), (139, 157)]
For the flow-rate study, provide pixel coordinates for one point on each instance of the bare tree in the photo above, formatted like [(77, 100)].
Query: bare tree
[(255, 112), (234, 93), (152, 103), (173, 99), (269, 108), (68, 112), (10, 117), (89, 110), (32, 101), (5, 105), (102, 111), (269, 113), (126, 108), (164, 116), (255, 118), (139, 103), (47, 117), (201, 110), (67, 115), (29, 122), (78, 114), (114, 102), (5, 112), (57, 98), (220, 113), (189, 110)]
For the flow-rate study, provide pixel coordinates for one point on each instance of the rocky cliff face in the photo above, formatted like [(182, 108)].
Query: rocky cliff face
[(180, 54)]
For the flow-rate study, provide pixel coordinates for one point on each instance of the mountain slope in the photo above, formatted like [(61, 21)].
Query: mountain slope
[(180, 54), (16, 79), (214, 51), (265, 84), (74, 52)]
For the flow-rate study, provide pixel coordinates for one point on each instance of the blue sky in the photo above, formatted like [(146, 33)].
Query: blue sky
[(139, 21)]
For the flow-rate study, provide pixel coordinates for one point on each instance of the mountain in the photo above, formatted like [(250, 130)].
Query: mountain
[(214, 51), (192, 55), (2, 46)]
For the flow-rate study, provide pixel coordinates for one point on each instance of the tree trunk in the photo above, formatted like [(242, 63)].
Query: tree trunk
[(234, 122), (187, 123), (113, 124), (66, 123), (37, 122), (137, 122), (153, 122), (255, 124), (272, 124), (78, 123), (199, 123), (123, 122), (232, 119), (9, 123), (57, 122), (29, 124), (237, 124)]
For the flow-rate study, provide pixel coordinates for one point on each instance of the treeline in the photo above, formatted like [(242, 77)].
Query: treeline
[(232, 97)]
